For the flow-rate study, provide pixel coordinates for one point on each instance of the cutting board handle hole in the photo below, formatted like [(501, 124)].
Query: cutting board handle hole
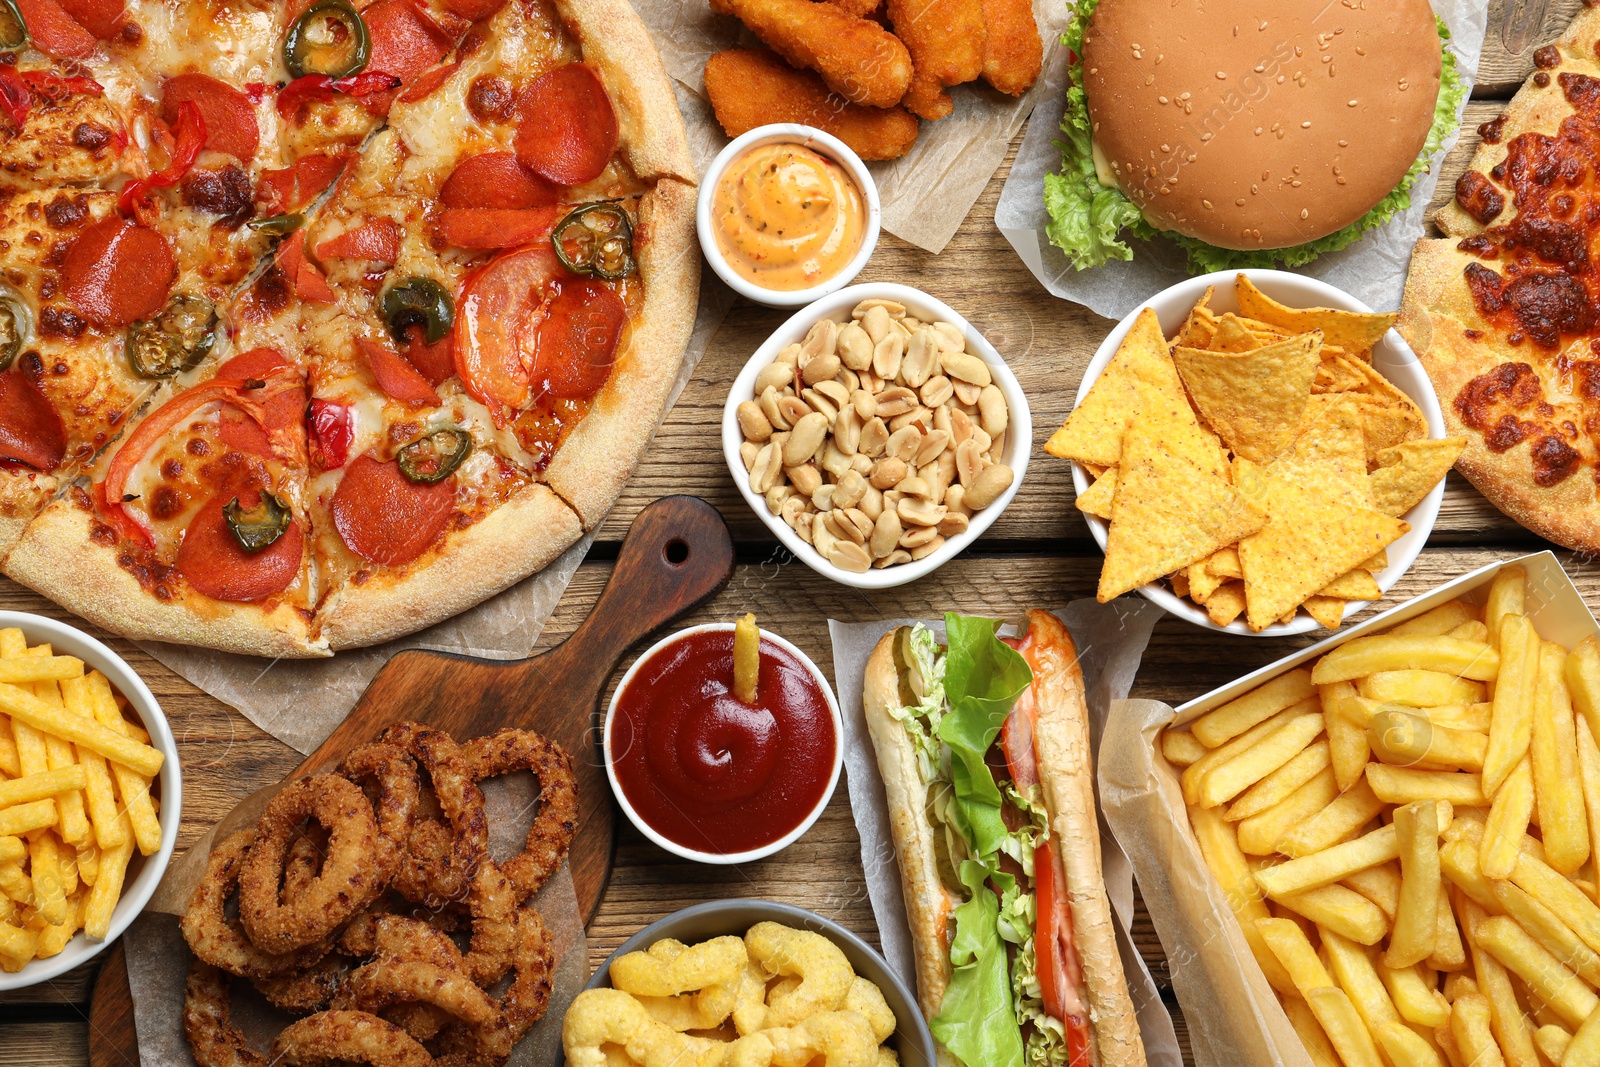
[(676, 551)]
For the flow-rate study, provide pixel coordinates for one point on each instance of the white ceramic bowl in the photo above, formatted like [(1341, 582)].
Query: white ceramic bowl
[(144, 872), (815, 139), (1391, 356), (1019, 432), (725, 858)]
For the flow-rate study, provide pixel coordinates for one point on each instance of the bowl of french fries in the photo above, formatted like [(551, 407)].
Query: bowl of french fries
[(1406, 826), (90, 795)]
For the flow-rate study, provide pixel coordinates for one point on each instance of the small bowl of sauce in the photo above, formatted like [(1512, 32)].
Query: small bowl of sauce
[(710, 777), (787, 214)]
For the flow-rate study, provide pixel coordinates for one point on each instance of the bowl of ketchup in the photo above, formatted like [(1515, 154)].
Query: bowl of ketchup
[(710, 777)]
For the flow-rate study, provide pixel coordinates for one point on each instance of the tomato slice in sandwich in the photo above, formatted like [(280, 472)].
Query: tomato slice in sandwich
[(1060, 974)]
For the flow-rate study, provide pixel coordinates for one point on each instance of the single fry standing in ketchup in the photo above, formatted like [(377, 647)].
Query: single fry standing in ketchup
[(723, 741)]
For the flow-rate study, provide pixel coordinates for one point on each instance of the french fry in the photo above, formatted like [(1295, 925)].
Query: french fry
[(1516, 950), (1220, 849), (1548, 929), (1405, 1048), (74, 824), (1508, 821), (1584, 1048), (52, 939), (1469, 1025), (1276, 786), (1589, 778), (1227, 780), (1583, 680), (10, 762), (22, 819), (1511, 721), (1311, 1033), (1416, 921), (1402, 785), (1346, 815), (1458, 861), (1495, 985), (1419, 689), (1259, 834), (1458, 985), (1404, 738), (17, 944), (1549, 888), (13, 850), (1223, 724), (1471, 630), (1552, 1041), (746, 661), (1181, 747), (1415, 1000), (1439, 620), (133, 787), (1474, 717), (1347, 737), (25, 708), (1330, 865), (1557, 784), (99, 797), (88, 863), (1448, 954), (1338, 1016), (1193, 776), (44, 865), (1508, 595), (1352, 968), (1340, 910), (22, 670), (1380, 884), (41, 785), (1447, 1044), (107, 889), (1386, 652)]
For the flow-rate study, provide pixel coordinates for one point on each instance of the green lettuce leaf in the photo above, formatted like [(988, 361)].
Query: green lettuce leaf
[(976, 1022), (1090, 222)]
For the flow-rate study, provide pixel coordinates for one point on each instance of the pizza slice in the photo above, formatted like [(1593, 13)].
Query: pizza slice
[(1505, 310)]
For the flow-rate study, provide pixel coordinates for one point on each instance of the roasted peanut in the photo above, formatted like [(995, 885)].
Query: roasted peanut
[(926, 550), (933, 443), (904, 442), (865, 403), (922, 355), (847, 431), (753, 423), (768, 403), (888, 472), (849, 556), (776, 496), (805, 478), (918, 536), (894, 558), (874, 438), (861, 464), (893, 308), (836, 393), (820, 369), (995, 479), (767, 469), (818, 402), (885, 534), (851, 488), (886, 355), (820, 341), (967, 392), (790, 355), (834, 461), (937, 391), (969, 461), (806, 438), (876, 322), (964, 366), (915, 485), (748, 452), (919, 416), (822, 538), (953, 524), (773, 376), (950, 339), (872, 502), (822, 499), (792, 509), (992, 410), (794, 409), (919, 511), (855, 347), (896, 400)]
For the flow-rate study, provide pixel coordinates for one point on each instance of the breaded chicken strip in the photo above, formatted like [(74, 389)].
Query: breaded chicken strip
[(857, 58), (751, 87), (866, 9), (945, 38), (1012, 50)]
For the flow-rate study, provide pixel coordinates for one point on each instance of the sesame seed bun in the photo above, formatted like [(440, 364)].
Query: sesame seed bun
[(1259, 124)]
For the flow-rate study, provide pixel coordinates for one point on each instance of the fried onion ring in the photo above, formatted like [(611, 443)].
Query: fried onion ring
[(346, 883), (306, 991), (495, 925), (523, 1005), (347, 1037), (221, 941), (392, 773), (550, 836), (388, 981), (206, 1009), (431, 872)]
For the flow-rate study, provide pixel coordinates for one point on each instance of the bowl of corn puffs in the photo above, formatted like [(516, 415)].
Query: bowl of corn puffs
[(90, 794)]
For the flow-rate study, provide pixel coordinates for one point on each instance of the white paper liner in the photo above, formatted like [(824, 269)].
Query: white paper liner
[(1372, 270), (1111, 640), (158, 958), (925, 194)]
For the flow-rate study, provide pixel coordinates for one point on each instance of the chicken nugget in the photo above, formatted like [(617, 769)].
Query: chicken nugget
[(866, 9), (751, 87), (1012, 50), (857, 58), (945, 38)]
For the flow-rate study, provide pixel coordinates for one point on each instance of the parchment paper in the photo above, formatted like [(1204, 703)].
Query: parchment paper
[(927, 193), (1233, 1015), (300, 701), (158, 958), (1111, 639), (1373, 269)]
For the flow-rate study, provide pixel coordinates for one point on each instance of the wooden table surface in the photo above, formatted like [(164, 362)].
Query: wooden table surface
[(1039, 554)]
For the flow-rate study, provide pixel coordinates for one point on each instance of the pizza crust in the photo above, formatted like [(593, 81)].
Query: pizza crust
[(522, 536), (57, 558)]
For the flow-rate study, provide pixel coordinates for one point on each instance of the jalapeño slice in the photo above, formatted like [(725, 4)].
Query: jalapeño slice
[(15, 325), (330, 38), (178, 337), (434, 456), (596, 239), (278, 225), (13, 28), (256, 528), (419, 302)]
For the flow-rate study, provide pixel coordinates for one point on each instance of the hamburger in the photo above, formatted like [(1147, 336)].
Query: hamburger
[(1248, 132)]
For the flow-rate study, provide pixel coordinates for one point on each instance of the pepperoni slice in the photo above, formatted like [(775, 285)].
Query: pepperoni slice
[(473, 10), (467, 227), (377, 240), (383, 516), (496, 180), (214, 562), (283, 402), (292, 188), (405, 42), (103, 18), (576, 343), (568, 129), (31, 431), (307, 280), (395, 376), (116, 272), (54, 31), (497, 316), (435, 362), (229, 115), (427, 84)]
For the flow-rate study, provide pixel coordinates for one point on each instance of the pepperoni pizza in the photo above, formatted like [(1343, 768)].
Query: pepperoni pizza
[(1505, 310), (320, 320)]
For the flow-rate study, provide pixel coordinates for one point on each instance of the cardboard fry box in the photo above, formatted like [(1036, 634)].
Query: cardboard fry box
[(1233, 1015)]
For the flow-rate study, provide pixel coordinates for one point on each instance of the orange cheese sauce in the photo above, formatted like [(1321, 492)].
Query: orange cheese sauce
[(787, 218)]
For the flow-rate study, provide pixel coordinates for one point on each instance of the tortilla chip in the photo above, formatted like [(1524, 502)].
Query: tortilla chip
[(1199, 325), (1326, 610), (1095, 470), (1407, 472), (1309, 540), (1355, 584), (1224, 562), (1330, 453), (1378, 562), (1337, 374), (1167, 513), (1096, 500), (1139, 381), (1180, 583), (1347, 329), (1226, 604), (1202, 583), (1391, 417), (1233, 335), (1253, 400)]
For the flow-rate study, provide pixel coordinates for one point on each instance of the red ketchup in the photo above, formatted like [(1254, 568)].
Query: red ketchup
[(709, 772)]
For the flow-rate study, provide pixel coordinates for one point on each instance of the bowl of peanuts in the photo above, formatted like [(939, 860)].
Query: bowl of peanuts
[(877, 434)]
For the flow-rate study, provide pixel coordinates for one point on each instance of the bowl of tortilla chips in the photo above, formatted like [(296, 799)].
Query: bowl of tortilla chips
[(1257, 452)]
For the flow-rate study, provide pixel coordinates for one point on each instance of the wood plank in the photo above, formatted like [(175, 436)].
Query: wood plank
[(1500, 72), (45, 1044)]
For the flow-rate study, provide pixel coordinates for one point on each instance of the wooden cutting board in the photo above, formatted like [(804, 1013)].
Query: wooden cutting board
[(677, 554)]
